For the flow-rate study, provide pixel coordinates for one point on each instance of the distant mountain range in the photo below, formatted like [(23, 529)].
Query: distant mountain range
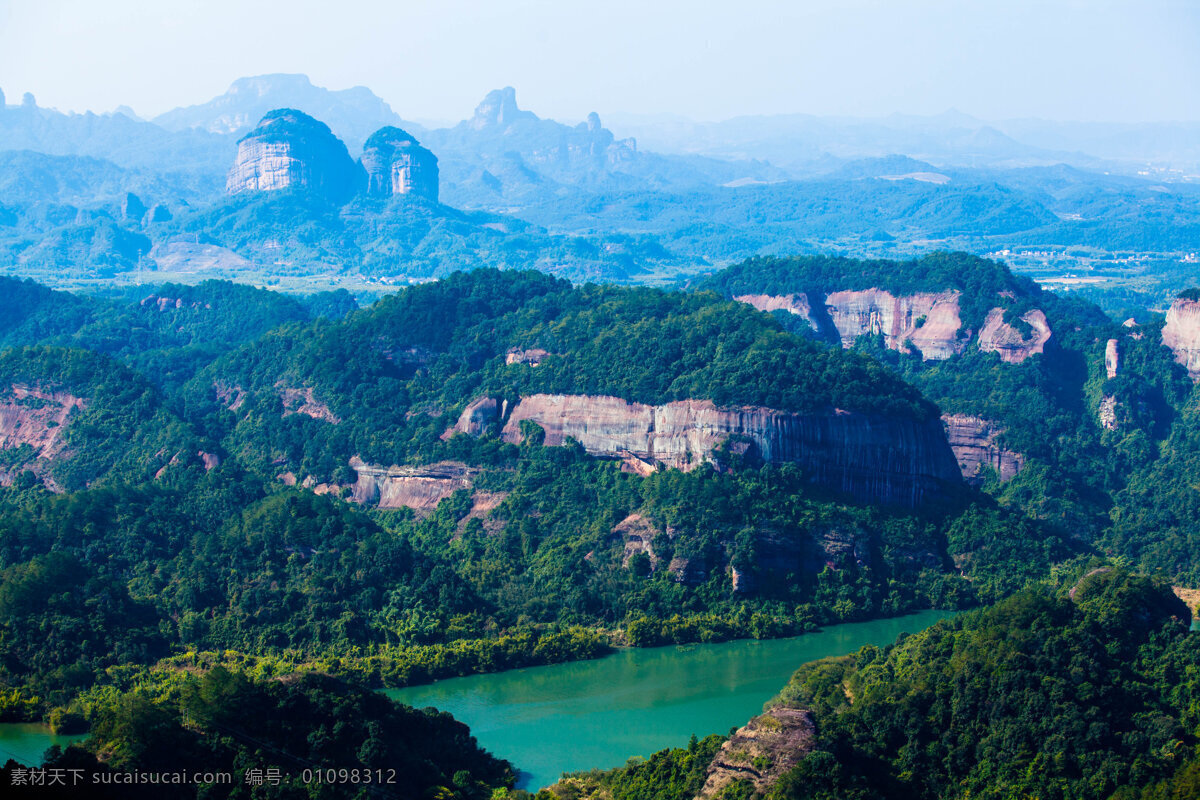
[(650, 196), (353, 114)]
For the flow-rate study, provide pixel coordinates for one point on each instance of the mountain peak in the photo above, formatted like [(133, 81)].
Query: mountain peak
[(262, 85), (499, 108), (352, 113)]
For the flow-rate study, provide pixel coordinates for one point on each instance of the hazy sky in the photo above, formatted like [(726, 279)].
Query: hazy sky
[(1132, 60)]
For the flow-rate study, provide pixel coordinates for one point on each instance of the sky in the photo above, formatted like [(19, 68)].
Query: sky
[(1093, 60)]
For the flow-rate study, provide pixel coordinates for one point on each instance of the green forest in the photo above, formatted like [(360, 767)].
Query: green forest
[(191, 557)]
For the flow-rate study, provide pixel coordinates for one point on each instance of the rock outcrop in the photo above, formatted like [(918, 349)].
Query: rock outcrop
[(476, 417), (998, 336), (498, 109), (396, 164), (419, 488), (132, 208), (1107, 410), (35, 419), (637, 535), (927, 321), (876, 459), (291, 150), (1181, 334), (303, 401), (795, 304), (532, 357), (973, 441), (760, 752)]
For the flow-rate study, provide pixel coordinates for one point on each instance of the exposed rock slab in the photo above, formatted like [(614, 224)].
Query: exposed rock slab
[(973, 441), (797, 304), (998, 336), (419, 488), (889, 460), (533, 356), (760, 752), (928, 321), (288, 149), (38, 418), (396, 164), (1181, 334), (476, 417), (35, 418), (1112, 358), (637, 534), (303, 401)]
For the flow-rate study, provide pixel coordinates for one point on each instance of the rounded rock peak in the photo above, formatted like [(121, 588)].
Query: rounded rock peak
[(290, 149), (390, 136), (593, 122), (289, 123), (396, 164), (28, 100)]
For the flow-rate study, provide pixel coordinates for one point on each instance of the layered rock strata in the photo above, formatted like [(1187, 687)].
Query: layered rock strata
[(929, 322), (973, 441), (31, 416), (419, 488), (289, 149), (997, 336), (396, 164), (1181, 334), (476, 417), (795, 304), (1107, 411), (761, 751), (877, 459)]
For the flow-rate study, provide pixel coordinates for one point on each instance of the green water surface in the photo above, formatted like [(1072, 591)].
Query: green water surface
[(571, 717), (27, 741)]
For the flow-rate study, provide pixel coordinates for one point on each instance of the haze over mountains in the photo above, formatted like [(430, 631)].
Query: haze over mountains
[(1113, 203)]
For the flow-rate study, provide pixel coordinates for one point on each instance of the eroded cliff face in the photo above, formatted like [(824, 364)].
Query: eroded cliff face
[(998, 336), (895, 461), (796, 304), (760, 752), (476, 417), (928, 322), (35, 419), (396, 164), (419, 488), (289, 149), (1107, 411), (1181, 334), (973, 441)]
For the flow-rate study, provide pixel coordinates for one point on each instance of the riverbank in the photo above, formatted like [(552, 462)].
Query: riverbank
[(598, 713)]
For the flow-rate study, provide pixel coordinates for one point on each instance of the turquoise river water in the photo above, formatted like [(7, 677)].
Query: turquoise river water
[(571, 717)]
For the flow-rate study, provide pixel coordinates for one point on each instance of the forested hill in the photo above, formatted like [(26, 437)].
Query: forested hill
[(1087, 689), (473, 474), (1070, 413), (502, 469)]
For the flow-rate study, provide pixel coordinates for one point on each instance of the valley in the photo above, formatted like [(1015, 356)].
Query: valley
[(574, 454)]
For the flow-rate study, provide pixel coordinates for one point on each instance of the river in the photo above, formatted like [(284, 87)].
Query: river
[(599, 713), (26, 741)]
